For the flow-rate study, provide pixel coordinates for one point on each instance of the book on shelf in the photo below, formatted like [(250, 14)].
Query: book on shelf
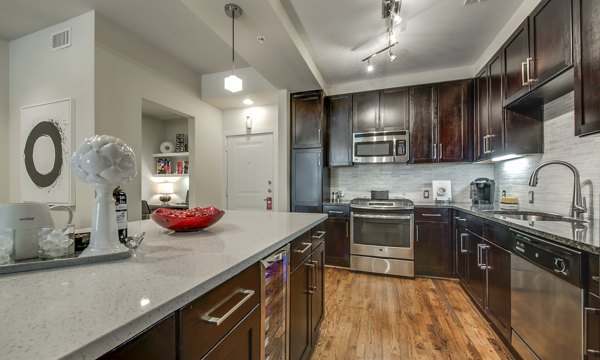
[(181, 143), (163, 166)]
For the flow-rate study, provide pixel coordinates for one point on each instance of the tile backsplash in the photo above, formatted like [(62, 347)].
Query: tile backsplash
[(555, 185), (407, 180)]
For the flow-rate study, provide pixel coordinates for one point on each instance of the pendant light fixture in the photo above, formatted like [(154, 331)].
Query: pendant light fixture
[(232, 82)]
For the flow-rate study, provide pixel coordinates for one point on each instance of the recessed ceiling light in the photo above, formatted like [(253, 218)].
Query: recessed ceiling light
[(248, 102)]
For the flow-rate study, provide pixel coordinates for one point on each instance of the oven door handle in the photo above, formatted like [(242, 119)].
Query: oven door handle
[(386, 217)]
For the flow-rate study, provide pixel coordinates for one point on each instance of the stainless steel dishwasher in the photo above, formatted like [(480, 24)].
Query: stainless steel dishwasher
[(546, 299)]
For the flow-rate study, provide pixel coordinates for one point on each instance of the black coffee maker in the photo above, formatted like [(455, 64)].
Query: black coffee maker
[(482, 191)]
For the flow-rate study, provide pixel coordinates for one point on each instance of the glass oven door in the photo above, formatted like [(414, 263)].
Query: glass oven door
[(386, 235)]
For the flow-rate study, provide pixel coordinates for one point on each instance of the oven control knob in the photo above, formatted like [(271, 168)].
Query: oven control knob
[(560, 266)]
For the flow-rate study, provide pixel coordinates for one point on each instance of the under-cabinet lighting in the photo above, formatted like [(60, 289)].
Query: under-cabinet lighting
[(506, 157)]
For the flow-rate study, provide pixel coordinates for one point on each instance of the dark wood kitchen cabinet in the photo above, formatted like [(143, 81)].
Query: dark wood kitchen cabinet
[(380, 110), (308, 125), (441, 122), (339, 120), (365, 111), (433, 242), (592, 310), (306, 304), (243, 342), (537, 55), (158, 342), (483, 266), (423, 123), (515, 56), (587, 66), (489, 110), (455, 118), (337, 245), (198, 337), (551, 39), (310, 180)]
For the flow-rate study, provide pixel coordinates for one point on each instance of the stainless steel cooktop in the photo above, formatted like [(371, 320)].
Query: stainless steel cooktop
[(390, 204)]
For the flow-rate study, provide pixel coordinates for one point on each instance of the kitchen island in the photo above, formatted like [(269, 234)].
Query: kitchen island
[(83, 312)]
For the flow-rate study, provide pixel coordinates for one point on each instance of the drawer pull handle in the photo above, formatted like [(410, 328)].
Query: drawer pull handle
[(308, 246), (218, 320), (596, 278), (319, 236), (335, 212), (432, 215)]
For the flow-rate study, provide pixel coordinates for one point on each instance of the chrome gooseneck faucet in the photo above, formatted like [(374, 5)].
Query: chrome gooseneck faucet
[(578, 205)]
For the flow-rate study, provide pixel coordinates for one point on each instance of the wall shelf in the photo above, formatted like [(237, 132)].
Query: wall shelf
[(170, 175), (168, 155)]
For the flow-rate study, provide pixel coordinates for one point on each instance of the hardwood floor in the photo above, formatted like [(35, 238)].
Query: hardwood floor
[(381, 317)]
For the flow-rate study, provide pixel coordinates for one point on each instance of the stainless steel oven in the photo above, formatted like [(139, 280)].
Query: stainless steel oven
[(382, 236), (380, 147)]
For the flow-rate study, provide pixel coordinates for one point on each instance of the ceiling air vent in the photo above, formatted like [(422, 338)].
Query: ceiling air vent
[(61, 39)]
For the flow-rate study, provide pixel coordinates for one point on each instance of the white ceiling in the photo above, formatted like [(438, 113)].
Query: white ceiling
[(309, 43)]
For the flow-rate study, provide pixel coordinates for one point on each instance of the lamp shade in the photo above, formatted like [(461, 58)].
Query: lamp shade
[(164, 188), (233, 83)]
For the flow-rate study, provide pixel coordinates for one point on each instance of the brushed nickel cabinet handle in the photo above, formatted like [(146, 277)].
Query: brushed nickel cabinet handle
[(308, 246), (319, 236), (441, 153), (529, 78), (434, 151), (588, 311), (311, 268), (218, 320), (432, 215), (524, 80)]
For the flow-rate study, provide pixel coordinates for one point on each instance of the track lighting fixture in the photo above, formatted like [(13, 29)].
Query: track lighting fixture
[(370, 67)]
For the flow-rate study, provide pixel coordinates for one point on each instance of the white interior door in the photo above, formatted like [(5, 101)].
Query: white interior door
[(249, 171)]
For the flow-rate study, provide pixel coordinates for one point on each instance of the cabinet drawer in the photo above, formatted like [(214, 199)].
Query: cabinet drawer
[(337, 211), (158, 342), (209, 318), (592, 326), (593, 275), (431, 214), (473, 223), (242, 343), (317, 235), (498, 234), (300, 249)]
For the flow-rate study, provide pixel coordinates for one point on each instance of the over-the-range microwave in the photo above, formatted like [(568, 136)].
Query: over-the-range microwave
[(380, 147)]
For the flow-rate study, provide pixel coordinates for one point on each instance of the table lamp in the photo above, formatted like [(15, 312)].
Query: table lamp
[(165, 188)]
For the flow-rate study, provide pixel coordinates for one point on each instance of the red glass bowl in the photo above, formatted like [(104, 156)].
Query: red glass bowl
[(187, 220)]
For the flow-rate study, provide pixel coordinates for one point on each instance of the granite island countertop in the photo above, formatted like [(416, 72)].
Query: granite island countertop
[(582, 236), (82, 312)]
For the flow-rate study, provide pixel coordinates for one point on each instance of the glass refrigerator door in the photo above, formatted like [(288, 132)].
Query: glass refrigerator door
[(275, 304)]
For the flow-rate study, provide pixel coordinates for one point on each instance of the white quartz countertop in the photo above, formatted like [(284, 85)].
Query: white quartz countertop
[(84, 311)]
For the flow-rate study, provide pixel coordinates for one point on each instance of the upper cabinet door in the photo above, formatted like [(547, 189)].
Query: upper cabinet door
[(339, 111), (307, 120), (516, 61), (587, 67), (423, 127), (550, 39), (496, 129), (394, 109), (454, 119), (482, 124), (365, 111)]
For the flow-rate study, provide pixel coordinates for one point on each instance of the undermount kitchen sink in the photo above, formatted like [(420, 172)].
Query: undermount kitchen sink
[(533, 216)]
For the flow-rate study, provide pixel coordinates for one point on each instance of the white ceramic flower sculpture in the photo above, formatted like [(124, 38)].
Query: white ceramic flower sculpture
[(104, 162)]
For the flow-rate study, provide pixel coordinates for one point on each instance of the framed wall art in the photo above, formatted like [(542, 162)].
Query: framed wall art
[(47, 134)]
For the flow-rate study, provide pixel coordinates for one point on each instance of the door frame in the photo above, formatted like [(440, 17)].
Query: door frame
[(254, 131)]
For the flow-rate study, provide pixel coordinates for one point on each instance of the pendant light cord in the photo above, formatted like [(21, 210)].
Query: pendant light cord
[(232, 39)]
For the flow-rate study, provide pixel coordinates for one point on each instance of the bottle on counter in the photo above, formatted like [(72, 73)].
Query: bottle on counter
[(121, 210)]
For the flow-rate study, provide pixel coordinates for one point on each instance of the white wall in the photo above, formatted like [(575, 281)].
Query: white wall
[(123, 80), (4, 154), (38, 75), (264, 119), (555, 186)]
